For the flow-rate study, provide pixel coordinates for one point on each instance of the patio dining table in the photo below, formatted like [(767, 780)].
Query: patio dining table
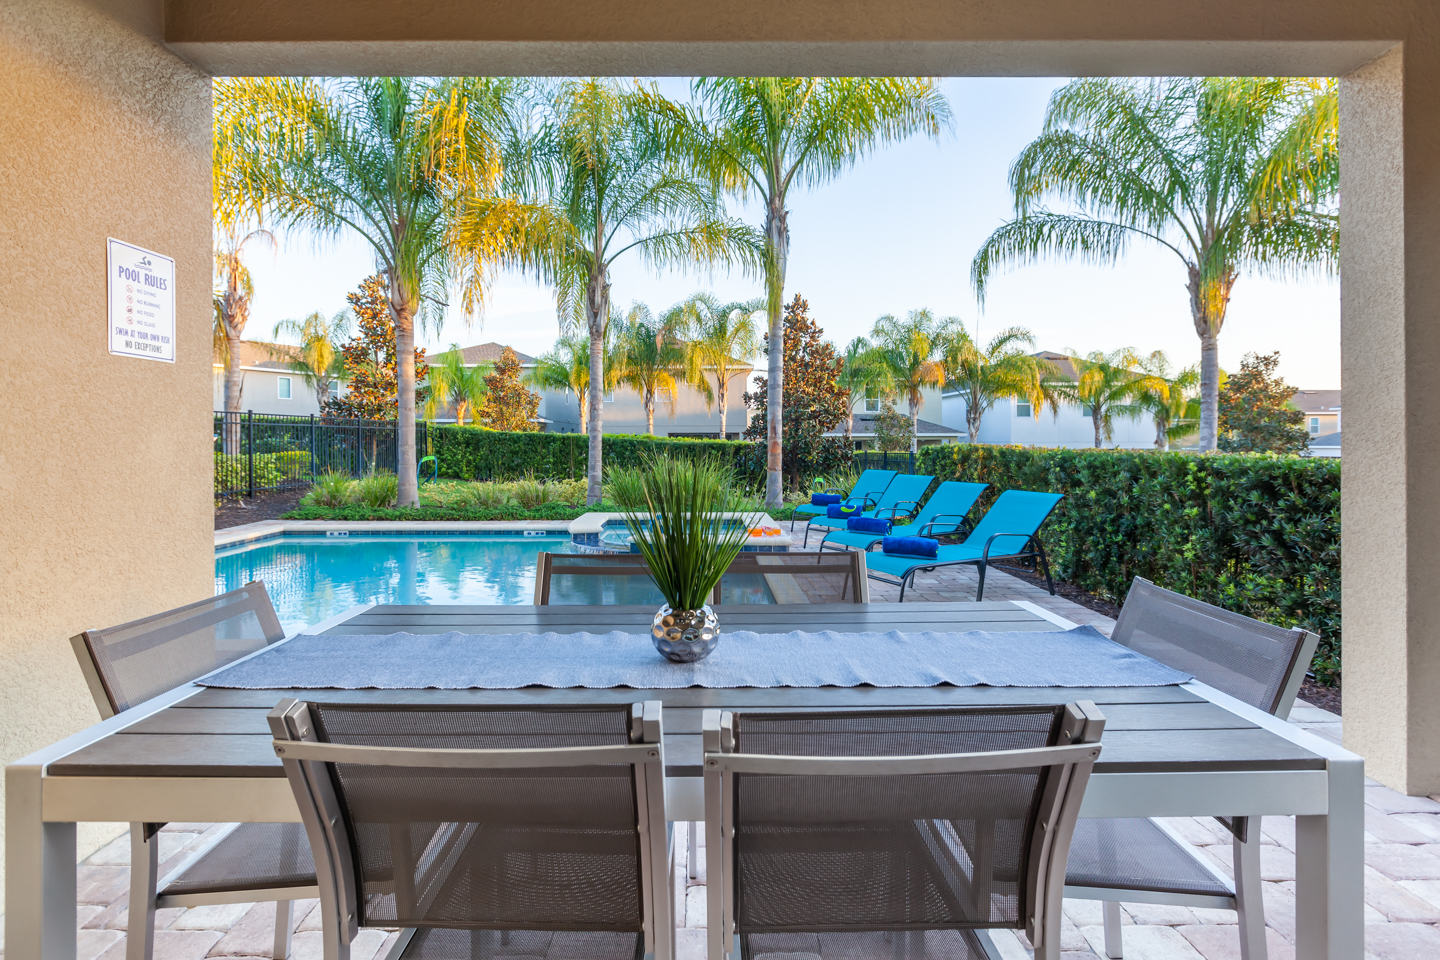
[(204, 753)]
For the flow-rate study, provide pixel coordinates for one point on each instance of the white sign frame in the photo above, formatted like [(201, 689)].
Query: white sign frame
[(140, 302)]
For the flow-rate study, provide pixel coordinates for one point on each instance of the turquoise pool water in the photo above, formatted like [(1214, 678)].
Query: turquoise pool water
[(312, 578)]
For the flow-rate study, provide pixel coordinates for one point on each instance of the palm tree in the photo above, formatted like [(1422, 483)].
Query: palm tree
[(999, 370), (763, 135), (1170, 400), (723, 340), (318, 359), (1109, 385), (1226, 173), (865, 376), (567, 367), (231, 303), (651, 354), (399, 161), (909, 350), (610, 191), (454, 383)]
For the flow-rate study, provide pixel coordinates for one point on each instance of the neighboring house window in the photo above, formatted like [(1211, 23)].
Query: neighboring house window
[(609, 396), (872, 400), (1314, 424), (282, 387), (1022, 408), (1086, 410), (334, 388)]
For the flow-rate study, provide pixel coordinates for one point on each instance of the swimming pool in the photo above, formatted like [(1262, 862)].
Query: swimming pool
[(310, 578)]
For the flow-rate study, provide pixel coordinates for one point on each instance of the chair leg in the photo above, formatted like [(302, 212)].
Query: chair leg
[(980, 590), (1049, 580), (1249, 903), (1112, 929), (692, 869), (144, 867), (284, 925)]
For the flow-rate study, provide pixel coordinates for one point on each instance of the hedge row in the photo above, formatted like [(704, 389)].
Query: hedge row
[(1256, 534), (467, 453)]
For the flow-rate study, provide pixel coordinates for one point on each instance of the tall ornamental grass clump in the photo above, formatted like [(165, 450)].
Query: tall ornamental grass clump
[(1256, 534)]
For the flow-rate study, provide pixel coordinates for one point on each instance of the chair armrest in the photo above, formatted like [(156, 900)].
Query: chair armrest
[(896, 511), (937, 521), (985, 553), (869, 501)]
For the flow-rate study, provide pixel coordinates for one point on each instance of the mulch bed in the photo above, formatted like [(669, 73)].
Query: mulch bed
[(269, 505)]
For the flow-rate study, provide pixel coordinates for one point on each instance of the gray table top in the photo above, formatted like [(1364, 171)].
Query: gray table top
[(222, 733)]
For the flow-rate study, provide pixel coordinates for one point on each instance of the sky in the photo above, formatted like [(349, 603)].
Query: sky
[(895, 233)]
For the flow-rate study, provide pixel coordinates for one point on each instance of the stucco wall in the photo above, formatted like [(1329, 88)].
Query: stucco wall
[(105, 512)]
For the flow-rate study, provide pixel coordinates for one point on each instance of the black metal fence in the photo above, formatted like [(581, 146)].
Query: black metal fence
[(271, 452), (873, 460)]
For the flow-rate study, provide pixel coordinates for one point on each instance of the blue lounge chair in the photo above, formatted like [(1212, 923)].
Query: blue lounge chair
[(901, 497), (1006, 532), (944, 513), (867, 490)]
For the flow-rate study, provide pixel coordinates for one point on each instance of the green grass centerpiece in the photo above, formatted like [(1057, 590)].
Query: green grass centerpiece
[(681, 516)]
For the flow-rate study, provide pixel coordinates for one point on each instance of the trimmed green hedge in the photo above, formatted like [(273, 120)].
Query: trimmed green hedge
[(469, 453), (1256, 534)]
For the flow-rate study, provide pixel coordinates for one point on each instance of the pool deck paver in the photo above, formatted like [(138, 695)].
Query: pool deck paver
[(1402, 855)]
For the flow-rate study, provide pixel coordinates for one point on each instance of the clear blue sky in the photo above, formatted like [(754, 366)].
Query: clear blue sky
[(896, 233)]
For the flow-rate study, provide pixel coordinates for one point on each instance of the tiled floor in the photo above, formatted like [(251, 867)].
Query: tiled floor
[(1402, 872)]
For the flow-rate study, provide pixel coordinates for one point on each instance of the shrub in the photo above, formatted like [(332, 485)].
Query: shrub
[(332, 489), (468, 453), (232, 473), (487, 495), (379, 489), (531, 493), (1257, 534)]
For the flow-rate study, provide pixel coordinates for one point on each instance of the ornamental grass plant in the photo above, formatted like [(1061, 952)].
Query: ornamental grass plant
[(333, 489), (677, 511), (377, 489)]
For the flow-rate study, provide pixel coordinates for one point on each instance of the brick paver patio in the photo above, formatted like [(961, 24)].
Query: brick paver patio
[(1402, 869)]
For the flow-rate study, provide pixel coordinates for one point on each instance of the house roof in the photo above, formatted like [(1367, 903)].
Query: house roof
[(1063, 364), (1317, 401), (266, 356), (486, 353), (1327, 440), (865, 426)]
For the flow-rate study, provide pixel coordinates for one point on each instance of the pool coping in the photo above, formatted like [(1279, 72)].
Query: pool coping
[(246, 533), (586, 529)]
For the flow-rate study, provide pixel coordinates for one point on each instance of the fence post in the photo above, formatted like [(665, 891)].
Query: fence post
[(250, 450), (312, 448), (360, 447)]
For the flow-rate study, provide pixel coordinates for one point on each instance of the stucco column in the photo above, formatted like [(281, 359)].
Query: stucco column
[(1390, 342)]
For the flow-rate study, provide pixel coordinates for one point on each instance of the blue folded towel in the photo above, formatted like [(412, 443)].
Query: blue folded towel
[(868, 525), (922, 547), (824, 499), (839, 511)]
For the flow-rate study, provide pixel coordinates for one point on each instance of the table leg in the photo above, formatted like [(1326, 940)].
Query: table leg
[(144, 870), (39, 874), (1330, 870)]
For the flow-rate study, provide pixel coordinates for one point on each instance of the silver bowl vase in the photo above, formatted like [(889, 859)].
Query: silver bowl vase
[(685, 636)]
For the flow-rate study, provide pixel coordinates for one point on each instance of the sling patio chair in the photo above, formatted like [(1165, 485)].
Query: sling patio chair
[(1009, 531), (943, 513), (485, 830), (866, 492), (891, 833), (1144, 861), (131, 663), (900, 499), (621, 578)]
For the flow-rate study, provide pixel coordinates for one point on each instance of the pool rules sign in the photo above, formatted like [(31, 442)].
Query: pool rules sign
[(142, 302)]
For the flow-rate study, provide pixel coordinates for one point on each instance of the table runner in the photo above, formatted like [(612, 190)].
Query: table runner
[(1080, 657)]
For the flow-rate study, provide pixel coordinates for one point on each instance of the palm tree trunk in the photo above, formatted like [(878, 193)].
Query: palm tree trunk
[(407, 487), (1095, 419), (777, 242), (1207, 308), (650, 410), (1162, 442), (914, 424), (233, 380), (596, 307), (722, 390)]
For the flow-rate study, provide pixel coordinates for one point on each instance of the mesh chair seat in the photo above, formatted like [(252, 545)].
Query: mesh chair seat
[(867, 945), (434, 943), (1135, 854), (254, 856)]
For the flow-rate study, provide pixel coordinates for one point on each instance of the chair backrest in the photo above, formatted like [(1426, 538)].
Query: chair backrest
[(482, 816), (883, 820), (1253, 661), (952, 499), (623, 578), (872, 483), (135, 661), (905, 491), (1014, 511)]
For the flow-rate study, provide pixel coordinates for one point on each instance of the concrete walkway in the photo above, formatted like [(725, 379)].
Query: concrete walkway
[(1402, 869)]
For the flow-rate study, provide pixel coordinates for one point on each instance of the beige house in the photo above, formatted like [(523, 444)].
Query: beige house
[(1321, 409), (268, 384), (682, 415)]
